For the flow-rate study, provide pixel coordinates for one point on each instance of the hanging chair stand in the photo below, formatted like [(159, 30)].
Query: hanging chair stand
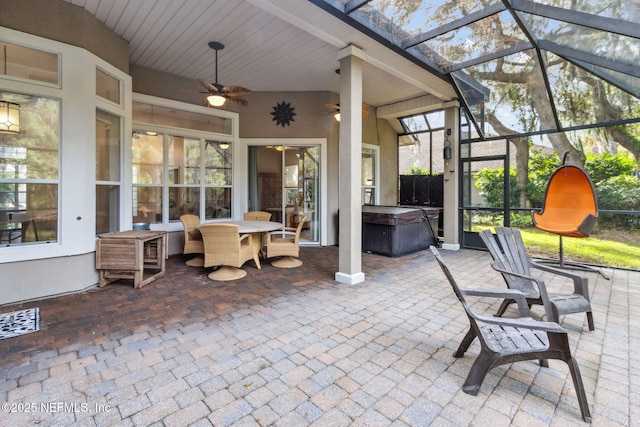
[(561, 263)]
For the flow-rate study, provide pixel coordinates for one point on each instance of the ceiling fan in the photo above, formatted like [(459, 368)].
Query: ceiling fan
[(219, 94), (335, 110)]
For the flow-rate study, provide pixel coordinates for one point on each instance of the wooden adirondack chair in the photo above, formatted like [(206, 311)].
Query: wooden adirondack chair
[(510, 259), (505, 341)]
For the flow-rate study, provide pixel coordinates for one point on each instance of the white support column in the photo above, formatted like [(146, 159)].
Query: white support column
[(451, 183), (350, 146)]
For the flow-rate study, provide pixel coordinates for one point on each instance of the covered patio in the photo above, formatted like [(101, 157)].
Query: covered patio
[(295, 348)]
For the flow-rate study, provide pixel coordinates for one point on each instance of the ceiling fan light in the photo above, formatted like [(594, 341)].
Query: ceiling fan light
[(216, 100), (224, 145), (337, 116)]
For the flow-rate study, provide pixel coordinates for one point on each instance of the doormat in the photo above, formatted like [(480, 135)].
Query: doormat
[(19, 323)]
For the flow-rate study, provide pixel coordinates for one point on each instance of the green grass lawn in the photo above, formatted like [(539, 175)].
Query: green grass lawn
[(602, 248)]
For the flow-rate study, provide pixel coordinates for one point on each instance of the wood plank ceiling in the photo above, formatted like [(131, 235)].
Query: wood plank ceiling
[(270, 45)]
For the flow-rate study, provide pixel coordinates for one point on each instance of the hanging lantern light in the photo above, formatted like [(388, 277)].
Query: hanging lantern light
[(9, 117), (9, 111)]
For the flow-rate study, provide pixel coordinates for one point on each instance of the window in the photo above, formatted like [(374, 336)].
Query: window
[(176, 118), (218, 175), (108, 175), (369, 175), (29, 173), (147, 162), (198, 177), (29, 64), (107, 87), (184, 176), (182, 162)]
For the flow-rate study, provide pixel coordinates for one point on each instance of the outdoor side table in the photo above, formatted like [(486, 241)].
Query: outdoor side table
[(127, 254)]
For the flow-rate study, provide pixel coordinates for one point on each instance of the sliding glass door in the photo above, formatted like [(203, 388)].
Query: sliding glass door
[(284, 180)]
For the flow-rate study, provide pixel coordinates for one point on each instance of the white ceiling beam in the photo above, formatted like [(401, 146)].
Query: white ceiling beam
[(417, 105), (292, 19), (421, 104)]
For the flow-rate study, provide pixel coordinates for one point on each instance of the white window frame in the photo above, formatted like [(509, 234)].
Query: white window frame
[(76, 180), (232, 138), (376, 186), (243, 185)]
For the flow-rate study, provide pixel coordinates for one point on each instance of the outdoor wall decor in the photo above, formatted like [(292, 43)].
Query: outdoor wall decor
[(283, 113)]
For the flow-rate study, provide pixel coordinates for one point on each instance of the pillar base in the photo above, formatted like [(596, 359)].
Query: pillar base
[(349, 279)]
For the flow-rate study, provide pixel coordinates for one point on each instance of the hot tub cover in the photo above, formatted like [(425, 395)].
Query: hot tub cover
[(391, 215)]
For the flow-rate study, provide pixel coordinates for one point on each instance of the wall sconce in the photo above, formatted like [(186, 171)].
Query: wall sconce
[(9, 117), (446, 152)]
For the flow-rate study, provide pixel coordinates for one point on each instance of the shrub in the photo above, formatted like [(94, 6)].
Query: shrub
[(521, 220), (417, 170), (490, 183), (619, 193), (603, 166)]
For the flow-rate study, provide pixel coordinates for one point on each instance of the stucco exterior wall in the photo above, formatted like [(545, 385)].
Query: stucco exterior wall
[(66, 23), (28, 280), (389, 168)]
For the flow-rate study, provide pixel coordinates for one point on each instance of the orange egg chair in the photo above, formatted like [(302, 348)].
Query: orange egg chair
[(570, 207)]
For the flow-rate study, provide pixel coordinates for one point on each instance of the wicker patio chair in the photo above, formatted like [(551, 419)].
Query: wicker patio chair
[(285, 244), (192, 240), (226, 249), (257, 216)]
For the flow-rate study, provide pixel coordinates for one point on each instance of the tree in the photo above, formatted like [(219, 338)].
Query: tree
[(540, 170), (516, 81)]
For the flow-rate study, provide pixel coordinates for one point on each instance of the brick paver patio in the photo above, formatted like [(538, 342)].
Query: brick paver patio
[(295, 348)]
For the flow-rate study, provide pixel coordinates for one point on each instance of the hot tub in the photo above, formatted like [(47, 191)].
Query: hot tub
[(395, 231)]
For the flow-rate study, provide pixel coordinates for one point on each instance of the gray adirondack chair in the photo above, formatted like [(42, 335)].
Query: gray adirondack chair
[(505, 340), (510, 259)]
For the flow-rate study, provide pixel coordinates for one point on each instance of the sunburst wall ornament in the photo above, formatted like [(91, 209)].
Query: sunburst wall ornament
[(283, 113)]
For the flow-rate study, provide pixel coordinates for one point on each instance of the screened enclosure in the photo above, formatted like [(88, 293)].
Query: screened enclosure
[(519, 66), (537, 80)]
